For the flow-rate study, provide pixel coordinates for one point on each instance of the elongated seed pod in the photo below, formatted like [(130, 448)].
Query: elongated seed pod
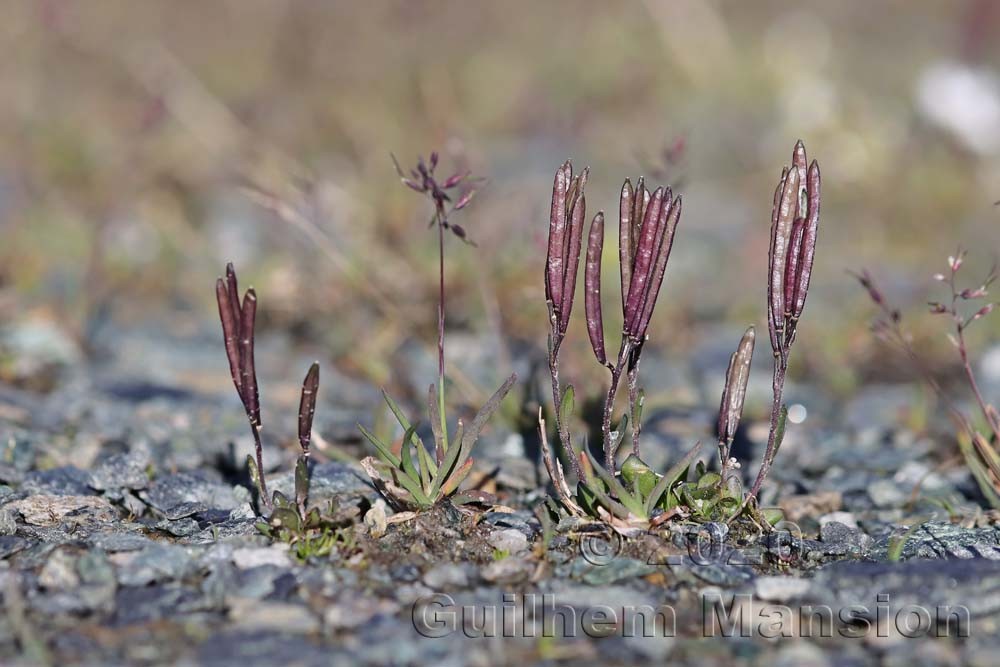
[(625, 209), (230, 332), (770, 259), (799, 163), (672, 217), (792, 265), (808, 251), (735, 391), (780, 235), (592, 288), (251, 399), (555, 261), (307, 407), (641, 202), (643, 262), (575, 244), (234, 291)]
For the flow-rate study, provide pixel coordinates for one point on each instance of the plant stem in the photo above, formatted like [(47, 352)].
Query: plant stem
[(609, 405), (260, 465), (778, 385), (633, 397), (971, 376), (557, 398), (441, 411)]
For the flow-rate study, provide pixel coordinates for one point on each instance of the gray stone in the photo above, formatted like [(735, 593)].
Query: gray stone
[(508, 570), (354, 612), (247, 558), (64, 481), (9, 475), (180, 528), (445, 577), (887, 493), (115, 542), (972, 583), (780, 589), (157, 562), (121, 471), (51, 510), (327, 481), (510, 541), (59, 572), (94, 568), (8, 525), (617, 569), (946, 540), (145, 604), (10, 544), (801, 654), (184, 494), (272, 617)]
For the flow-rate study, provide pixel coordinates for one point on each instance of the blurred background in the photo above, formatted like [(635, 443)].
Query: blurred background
[(143, 145)]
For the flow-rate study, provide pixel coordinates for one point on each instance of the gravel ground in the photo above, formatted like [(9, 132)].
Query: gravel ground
[(128, 535)]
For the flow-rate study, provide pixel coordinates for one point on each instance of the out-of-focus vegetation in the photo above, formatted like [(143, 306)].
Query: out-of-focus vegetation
[(144, 144)]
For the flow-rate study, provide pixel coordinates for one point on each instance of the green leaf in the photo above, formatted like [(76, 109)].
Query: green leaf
[(400, 417), (979, 471), (413, 487), (383, 450), (708, 480), (634, 504), (567, 406), (639, 476), (254, 474), (640, 400), (433, 410), (457, 455), (772, 515), (600, 497), (456, 478), (422, 455), (586, 497), (281, 501), (407, 458), (301, 481), (450, 462), (671, 477), (485, 412), (285, 518)]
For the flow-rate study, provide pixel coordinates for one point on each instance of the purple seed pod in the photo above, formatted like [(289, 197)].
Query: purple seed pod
[(251, 399), (574, 245), (781, 230), (234, 291), (808, 250), (640, 202), (592, 288), (792, 266), (645, 248), (307, 407), (735, 390), (555, 262), (799, 164), (230, 332), (770, 258), (626, 205), (671, 218)]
